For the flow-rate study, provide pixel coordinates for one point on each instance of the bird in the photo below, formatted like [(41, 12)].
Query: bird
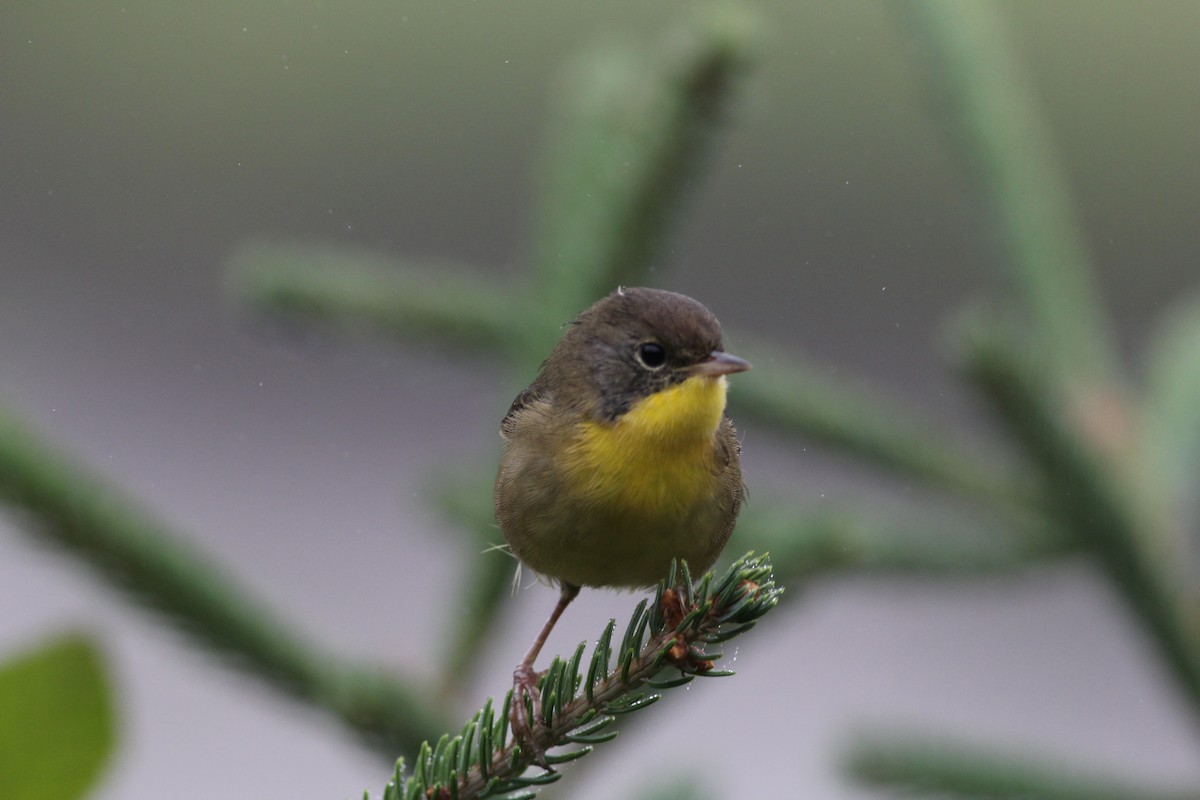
[(619, 457)]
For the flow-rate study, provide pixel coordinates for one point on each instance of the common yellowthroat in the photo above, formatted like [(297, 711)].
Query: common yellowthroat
[(619, 456)]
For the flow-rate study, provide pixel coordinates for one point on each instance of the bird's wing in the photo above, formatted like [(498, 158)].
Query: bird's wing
[(528, 396)]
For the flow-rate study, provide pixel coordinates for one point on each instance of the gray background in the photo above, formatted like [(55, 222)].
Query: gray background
[(142, 142)]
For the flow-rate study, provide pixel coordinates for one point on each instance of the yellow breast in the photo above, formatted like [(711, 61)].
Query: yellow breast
[(656, 460)]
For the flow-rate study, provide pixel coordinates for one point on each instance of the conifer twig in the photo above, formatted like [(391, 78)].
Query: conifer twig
[(579, 700)]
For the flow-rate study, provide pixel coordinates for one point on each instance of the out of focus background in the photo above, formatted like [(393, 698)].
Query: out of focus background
[(143, 143)]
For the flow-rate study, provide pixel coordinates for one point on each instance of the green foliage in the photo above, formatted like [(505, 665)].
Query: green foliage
[(1090, 468), (806, 543), (57, 722), (578, 706), (634, 129)]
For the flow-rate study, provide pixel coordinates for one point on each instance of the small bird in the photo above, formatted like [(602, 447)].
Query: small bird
[(619, 456)]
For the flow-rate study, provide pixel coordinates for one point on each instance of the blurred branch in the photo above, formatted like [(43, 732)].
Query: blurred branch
[(352, 288), (467, 499), (805, 543), (65, 504), (356, 288), (631, 133), (805, 401), (1087, 494), (947, 769), (995, 121), (1170, 429)]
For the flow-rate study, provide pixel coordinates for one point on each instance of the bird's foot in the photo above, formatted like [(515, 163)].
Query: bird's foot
[(681, 655), (527, 707)]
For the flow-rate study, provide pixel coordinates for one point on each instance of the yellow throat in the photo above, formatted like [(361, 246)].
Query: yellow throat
[(656, 460)]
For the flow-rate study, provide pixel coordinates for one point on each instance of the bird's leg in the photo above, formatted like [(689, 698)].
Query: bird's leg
[(525, 682)]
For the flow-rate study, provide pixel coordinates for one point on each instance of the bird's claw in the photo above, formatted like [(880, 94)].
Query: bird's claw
[(519, 717)]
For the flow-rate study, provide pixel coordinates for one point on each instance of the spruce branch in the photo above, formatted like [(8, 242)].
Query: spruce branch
[(907, 766), (65, 504), (580, 698)]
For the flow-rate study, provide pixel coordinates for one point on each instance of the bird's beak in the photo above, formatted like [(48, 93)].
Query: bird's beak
[(720, 363)]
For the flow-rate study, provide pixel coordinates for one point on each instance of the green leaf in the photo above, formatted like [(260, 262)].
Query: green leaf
[(57, 722)]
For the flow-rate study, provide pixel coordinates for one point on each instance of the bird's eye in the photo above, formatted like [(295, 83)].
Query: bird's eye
[(651, 354)]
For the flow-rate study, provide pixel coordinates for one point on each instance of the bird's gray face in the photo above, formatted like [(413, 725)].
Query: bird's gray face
[(639, 357)]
